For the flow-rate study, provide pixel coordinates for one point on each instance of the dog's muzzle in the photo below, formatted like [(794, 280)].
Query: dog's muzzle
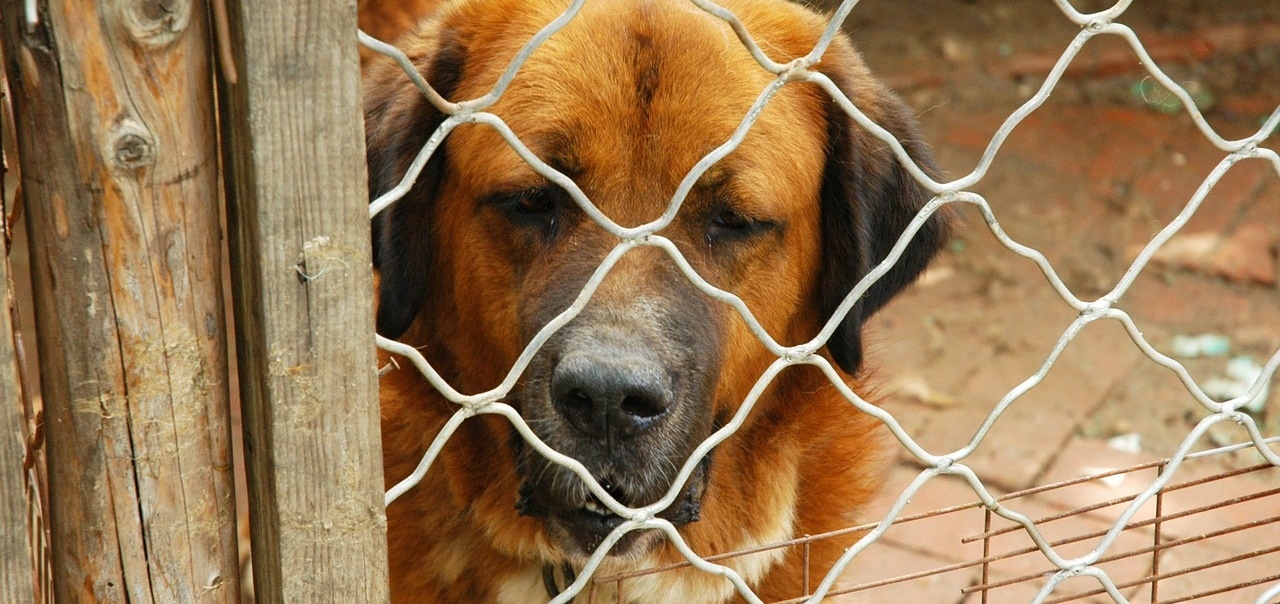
[(632, 415)]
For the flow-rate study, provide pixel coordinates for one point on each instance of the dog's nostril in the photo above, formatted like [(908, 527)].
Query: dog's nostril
[(576, 406), (642, 408), (575, 400)]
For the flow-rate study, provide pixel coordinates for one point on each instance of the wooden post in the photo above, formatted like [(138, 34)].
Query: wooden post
[(115, 125), (17, 582), (302, 277)]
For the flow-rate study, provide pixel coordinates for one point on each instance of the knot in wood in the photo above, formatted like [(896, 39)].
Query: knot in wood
[(132, 150), (156, 22)]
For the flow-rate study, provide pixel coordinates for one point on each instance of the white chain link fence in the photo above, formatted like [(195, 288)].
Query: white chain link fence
[(1105, 22)]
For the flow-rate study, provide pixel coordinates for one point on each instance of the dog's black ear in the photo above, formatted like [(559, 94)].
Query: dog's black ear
[(398, 120), (868, 199)]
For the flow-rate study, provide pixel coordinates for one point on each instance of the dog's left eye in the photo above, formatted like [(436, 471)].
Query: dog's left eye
[(731, 220), (728, 224)]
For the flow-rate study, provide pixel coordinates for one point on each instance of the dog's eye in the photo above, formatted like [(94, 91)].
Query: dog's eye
[(728, 224), (731, 220), (536, 201), (536, 206)]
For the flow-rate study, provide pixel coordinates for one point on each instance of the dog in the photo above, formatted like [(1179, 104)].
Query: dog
[(483, 251)]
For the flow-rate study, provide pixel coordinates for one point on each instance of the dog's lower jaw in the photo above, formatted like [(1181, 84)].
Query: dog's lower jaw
[(576, 532)]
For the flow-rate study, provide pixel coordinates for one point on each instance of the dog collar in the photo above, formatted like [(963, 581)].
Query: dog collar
[(549, 581)]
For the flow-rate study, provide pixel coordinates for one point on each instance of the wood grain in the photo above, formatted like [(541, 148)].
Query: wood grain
[(17, 583), (302, 277), (115, 121)]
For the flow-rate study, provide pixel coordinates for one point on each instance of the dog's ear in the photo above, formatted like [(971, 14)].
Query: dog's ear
[(868, 199), (398, 120)]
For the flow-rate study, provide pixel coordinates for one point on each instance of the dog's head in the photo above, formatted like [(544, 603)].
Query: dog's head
[(483, 251)]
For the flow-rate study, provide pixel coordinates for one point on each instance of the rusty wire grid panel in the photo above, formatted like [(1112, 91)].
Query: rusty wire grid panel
[(1172, 551), (1023, 556)]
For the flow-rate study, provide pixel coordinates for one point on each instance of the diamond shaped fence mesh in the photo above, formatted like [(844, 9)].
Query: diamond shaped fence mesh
[(1022, 544)]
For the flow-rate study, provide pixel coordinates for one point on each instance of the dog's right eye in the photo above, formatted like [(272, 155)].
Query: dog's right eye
[(529, 205)]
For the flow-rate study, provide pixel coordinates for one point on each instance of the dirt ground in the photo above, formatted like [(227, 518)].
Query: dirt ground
[(1087, 179)]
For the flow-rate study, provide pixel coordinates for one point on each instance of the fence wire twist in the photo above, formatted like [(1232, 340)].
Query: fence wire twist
[(473, 111)]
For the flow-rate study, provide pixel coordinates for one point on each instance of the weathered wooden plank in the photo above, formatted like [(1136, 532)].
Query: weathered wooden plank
[(116, 129), (297, 212), (17, 583)]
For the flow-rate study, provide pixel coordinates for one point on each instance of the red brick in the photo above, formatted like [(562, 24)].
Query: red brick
[(1106, 56), (1164, 304), (1246, 255), (1222, 517), (1076, 534), (1084, 457), (1222, 208), (1027, 435)]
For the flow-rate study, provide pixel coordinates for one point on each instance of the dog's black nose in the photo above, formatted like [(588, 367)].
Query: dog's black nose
[(611, 393)]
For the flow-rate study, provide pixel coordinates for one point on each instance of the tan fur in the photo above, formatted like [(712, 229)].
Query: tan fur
[(805, 460)]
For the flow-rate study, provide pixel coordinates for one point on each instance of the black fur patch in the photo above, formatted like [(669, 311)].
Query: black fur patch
[(868, 199), (402, 232)]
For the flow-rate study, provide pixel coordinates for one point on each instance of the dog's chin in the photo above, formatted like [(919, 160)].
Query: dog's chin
[(579, 533)]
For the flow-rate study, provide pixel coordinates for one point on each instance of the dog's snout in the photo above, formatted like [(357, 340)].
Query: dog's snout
[(609, 393)]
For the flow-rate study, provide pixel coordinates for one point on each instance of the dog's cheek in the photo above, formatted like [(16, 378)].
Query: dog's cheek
[(486, 293), (548, 280), (713, 349)]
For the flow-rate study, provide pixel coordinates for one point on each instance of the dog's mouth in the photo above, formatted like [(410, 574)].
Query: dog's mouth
[(579, 524), (588, 525)]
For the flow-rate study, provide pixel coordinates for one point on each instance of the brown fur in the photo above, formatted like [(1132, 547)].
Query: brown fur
[(625, 100), (387, 20)]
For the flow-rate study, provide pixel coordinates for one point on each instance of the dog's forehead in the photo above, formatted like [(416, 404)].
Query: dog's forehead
[(630, 99)]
